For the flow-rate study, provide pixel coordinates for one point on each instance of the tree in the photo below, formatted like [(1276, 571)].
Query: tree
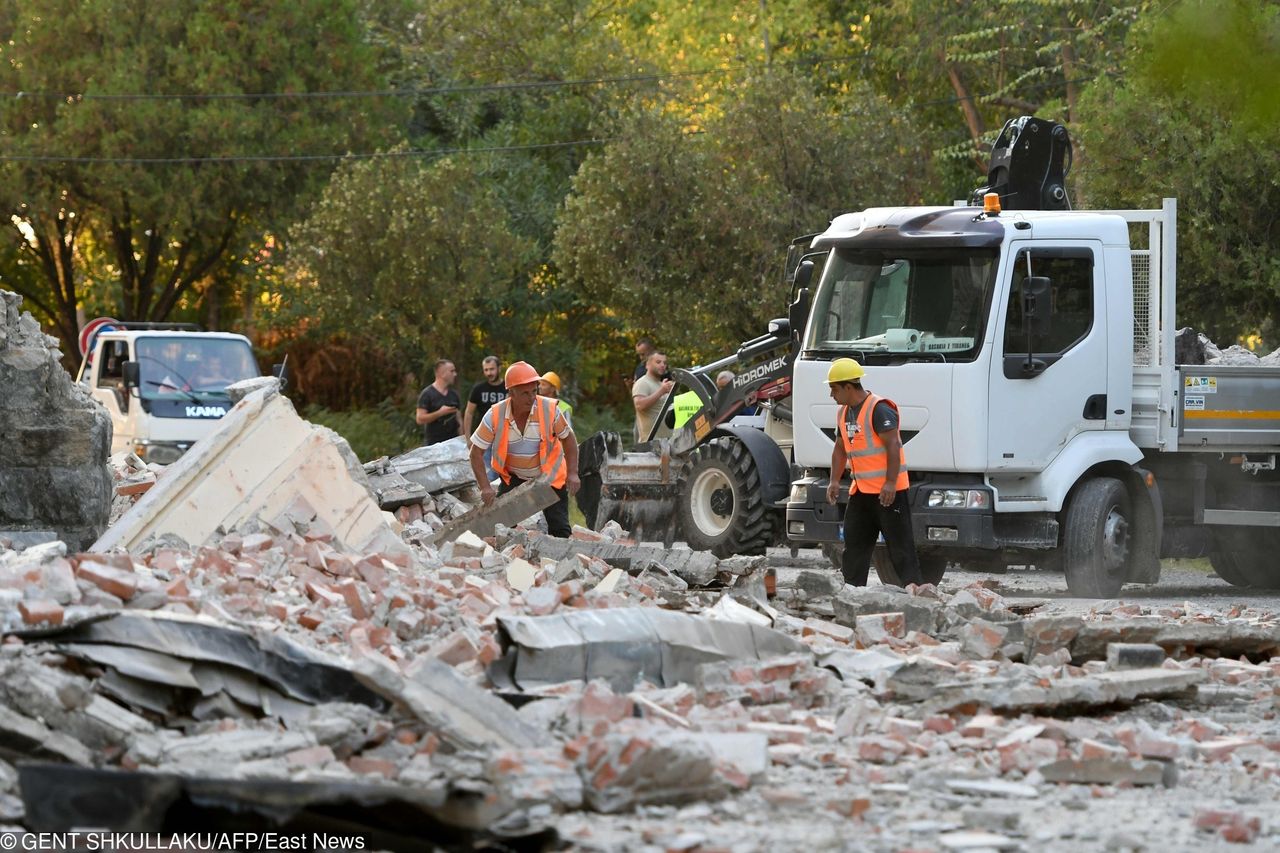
[(1166, 130), (414, 255), (683, 234), (115, 83)]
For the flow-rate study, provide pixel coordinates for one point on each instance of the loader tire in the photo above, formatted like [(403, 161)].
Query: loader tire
[(1098, 538), (1245, 556), (721, 504)]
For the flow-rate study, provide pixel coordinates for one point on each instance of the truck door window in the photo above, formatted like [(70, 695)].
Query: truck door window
[(111, 374), (1071, 295)]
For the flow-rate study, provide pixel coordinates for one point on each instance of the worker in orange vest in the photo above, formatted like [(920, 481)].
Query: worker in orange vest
[(531, 439), (870, 447)]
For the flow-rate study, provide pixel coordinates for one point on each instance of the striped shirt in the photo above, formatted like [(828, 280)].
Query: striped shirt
[(523, 458)]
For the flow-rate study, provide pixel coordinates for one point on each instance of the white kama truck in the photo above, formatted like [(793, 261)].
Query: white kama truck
[(1045, 421), (164, 389)]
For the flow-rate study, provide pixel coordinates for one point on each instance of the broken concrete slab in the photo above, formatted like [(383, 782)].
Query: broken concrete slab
[(462, 714), (922, 614), (298, 672), (1110, 771), (993, 788), (696, 568), (432, 468), (260, 460), (1062, 695), (510, 509), (377, 814), (22, 738), (624, 646), (57, 439), (1134, 656)]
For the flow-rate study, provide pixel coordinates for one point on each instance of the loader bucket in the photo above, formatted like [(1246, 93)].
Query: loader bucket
[(636, 488)]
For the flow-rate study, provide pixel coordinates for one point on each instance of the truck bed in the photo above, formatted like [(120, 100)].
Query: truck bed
[(1228, 408)]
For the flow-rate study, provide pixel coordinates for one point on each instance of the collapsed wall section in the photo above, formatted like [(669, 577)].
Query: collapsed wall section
[(54, 439)]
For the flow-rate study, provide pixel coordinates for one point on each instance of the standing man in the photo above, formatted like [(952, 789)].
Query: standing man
[(483, 395), (549, 386), (649, 392), (531, 438), (644, 349), (871, 448), (438, 404)]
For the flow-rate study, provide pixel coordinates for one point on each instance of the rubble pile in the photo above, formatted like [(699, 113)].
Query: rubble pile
[(54, 482), (853, 703)]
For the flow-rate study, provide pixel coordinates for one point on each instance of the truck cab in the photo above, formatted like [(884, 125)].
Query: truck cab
[(164, 389), (1008, 343)]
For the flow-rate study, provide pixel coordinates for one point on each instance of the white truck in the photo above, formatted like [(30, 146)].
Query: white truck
[(164, 388), (1045, 421)]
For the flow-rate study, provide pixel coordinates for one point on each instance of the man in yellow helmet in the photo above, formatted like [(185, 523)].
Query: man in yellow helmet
[(549, 386), (870, 447)]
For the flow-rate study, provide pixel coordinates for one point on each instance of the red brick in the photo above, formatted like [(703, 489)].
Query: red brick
[(454, 649), (362, 766), (324, 595), (41, 611), (119, 582), (351, 593), (310, 620), (313, 756)]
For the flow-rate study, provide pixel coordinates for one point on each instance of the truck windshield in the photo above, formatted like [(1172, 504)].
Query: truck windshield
[(191, 367), (930, 302)]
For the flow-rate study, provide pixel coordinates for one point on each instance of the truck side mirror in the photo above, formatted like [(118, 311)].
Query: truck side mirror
[(780, 327), (1037, 305), (798, 312), (132, 374), (804, 274), (1037, 311)]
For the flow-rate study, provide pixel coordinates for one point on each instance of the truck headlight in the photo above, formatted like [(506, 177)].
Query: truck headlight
[(799, 493), (959, 498)]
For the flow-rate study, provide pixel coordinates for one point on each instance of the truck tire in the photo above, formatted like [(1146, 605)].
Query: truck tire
[(721, 504), (1245, 556), (1097, 538)]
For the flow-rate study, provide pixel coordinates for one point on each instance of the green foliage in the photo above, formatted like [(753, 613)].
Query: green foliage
[(148, 233), (384, 430), (684, 234), (419, 255), (1148, 145)]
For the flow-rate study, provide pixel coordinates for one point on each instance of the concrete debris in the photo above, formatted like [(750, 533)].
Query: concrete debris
[(625, 646), (501, 687), (54, 479), (261, 462), (508, 510)]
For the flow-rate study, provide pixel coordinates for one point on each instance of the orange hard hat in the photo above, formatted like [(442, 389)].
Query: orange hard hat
[(520, 373), (552, 377)]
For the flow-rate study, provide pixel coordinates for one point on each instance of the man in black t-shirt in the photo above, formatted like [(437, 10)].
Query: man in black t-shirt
[(483, 395), (438, 405)]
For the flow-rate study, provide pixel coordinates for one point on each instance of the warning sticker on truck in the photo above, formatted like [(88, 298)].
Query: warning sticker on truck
[(1201, 385), (1194, 404)]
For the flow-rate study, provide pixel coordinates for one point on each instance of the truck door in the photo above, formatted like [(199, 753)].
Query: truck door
[(108, 389), (1039, 402)]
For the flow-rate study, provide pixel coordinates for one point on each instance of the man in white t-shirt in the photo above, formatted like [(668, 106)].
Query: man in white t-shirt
[(649, 392)]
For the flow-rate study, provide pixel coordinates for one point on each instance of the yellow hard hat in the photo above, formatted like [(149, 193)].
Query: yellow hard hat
[(844, 370), (552, 377)]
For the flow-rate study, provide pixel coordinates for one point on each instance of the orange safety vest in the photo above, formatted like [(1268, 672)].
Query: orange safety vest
[(550, 451), (868, 459)]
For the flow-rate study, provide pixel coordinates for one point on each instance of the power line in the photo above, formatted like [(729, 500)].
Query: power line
[(478, 88), (286, 158)]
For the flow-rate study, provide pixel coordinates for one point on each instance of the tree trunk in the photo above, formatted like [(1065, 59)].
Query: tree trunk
[(972, 117)]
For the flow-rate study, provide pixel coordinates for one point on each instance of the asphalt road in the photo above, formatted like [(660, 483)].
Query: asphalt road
[(1181, 582)]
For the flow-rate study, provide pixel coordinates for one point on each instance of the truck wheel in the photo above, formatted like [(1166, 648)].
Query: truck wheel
[(1245, 556), (1097, 538), (722, 507), (933, 566)]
